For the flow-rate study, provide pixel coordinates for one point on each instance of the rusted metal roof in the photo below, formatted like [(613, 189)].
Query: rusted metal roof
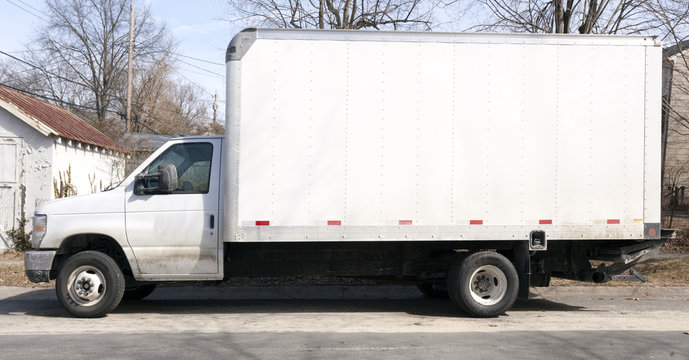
[(49, 118)]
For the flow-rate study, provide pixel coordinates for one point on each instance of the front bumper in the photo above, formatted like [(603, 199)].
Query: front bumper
[(37, 265)]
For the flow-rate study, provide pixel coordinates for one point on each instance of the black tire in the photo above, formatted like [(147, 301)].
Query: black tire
[(485, 284), (138, 292), (452, 278), (431, 290), (89, 284)]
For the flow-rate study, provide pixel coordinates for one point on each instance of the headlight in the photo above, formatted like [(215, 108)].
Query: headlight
[(40, 225)]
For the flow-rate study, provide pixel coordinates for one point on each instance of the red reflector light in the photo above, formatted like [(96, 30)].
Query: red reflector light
[(475, 222), (545, 222), (652, 232), (335, 222), (613, 221), (262, 223), (405, 222)]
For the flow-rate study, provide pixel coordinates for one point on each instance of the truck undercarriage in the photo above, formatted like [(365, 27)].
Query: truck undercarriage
[(429, 262)]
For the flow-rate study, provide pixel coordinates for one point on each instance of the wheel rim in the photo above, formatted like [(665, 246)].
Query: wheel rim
[(488, 285), (86, 285)]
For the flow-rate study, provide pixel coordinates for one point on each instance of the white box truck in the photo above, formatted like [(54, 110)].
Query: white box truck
[(474, 165)]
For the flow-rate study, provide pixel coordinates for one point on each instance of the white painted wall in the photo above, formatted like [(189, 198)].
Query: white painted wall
[(34, 152), (92, 168), (39, 160)]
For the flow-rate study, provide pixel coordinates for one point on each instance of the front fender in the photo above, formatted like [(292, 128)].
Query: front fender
[(61, 227)]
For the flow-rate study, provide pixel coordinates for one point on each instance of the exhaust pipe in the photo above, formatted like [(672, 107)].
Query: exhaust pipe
[(600, 277)]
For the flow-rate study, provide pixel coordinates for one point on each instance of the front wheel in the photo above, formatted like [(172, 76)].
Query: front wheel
[(89, 284), (485, 284)]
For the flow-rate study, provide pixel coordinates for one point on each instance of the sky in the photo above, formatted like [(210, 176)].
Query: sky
[(197, 26)]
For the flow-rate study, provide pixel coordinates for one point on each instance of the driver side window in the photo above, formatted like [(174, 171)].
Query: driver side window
[(193, 163)]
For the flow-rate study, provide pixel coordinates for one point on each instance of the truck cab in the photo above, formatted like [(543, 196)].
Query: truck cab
[(149, 228)]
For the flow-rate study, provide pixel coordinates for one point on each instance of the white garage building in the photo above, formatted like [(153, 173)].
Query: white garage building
[(39, 142)]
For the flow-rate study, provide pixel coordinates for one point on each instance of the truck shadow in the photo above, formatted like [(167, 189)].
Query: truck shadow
[(239, 300), (421, 306)]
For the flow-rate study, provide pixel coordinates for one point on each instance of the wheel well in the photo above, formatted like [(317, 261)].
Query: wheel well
[(93, 242)]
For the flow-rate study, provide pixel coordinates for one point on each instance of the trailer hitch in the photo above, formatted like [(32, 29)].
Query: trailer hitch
[(633, 276), (606, 272)]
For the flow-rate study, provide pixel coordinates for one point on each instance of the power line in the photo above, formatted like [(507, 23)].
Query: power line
[(197, 85), (190, 71), (193, 83), (28, 11), (68, 80), (33, 8), (42, 69), (200, 68), (197, 59), (19, 51), (85, 86), (58, 100), (147, 127)]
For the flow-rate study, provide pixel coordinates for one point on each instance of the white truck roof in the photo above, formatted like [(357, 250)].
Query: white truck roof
[(243, 40)]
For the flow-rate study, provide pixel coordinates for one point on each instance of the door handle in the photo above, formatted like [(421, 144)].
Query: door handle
[(212, 221)]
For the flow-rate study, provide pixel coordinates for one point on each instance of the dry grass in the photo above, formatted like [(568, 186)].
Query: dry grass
[(668, 272), (678, 244), (12, 255)]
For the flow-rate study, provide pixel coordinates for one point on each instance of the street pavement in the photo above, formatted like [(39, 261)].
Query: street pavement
[(350, 322)]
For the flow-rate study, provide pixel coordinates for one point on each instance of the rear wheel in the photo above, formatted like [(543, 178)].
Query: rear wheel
[(89, 284), (485, 284)]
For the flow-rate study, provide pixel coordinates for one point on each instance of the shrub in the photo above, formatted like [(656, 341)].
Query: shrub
[(21, 240)]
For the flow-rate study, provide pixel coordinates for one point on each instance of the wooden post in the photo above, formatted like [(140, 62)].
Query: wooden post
[(129, 78)]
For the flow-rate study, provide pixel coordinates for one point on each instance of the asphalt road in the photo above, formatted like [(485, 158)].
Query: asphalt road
[(349, 323)]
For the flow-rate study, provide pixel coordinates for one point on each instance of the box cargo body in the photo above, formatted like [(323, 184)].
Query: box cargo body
[(472, 165), (422, 136)]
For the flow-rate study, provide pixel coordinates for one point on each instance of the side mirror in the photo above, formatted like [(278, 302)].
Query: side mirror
[(166, 179)]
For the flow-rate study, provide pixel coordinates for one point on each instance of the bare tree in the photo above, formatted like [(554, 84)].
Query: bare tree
[(80, 56), (163, 105), (79, 59), (180, 109), (584, 17), (339, 14), (675, 179)]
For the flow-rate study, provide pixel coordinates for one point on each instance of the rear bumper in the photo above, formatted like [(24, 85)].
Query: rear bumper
[(37, 265)]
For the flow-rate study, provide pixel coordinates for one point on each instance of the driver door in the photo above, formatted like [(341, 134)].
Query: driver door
[(175, 235)]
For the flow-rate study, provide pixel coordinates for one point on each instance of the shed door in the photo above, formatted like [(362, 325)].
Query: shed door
[(11, 203)]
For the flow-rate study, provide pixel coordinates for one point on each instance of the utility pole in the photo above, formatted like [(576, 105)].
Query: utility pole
[(131, 55), (215, 107)]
